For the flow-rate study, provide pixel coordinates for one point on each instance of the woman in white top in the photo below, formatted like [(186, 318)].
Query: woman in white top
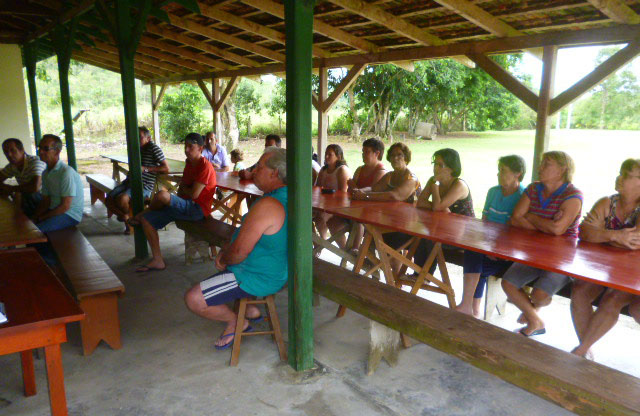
[(335, 174)]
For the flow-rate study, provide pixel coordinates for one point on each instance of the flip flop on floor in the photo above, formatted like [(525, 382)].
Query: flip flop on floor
[(145, 269), (540, 331), (230, 343), (256, 320)]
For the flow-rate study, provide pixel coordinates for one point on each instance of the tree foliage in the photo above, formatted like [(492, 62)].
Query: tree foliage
[(247, 103), (182, 112)]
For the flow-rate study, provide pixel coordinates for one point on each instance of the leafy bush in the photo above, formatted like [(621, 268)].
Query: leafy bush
[(182, 112), (341, 125)]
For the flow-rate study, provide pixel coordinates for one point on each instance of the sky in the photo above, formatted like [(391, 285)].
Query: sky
[(572, 65)]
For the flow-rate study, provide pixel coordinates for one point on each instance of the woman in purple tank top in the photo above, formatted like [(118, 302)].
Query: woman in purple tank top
[(613, 220)]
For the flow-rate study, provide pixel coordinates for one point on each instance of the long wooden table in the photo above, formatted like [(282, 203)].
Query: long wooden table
[(16, 229), (38, 308), (597, 263)]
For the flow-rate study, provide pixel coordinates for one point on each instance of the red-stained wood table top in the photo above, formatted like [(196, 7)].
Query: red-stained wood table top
[(598, 263), (32, 295), (175, 165), (16, 230), (338, 199), (232, 182)]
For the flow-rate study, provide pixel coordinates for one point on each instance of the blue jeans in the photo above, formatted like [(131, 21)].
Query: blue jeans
[(124, 188), (178, 209), (59, 222)]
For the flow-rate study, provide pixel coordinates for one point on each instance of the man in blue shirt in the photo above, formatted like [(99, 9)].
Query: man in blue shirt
[(215, 153), (62, 190)]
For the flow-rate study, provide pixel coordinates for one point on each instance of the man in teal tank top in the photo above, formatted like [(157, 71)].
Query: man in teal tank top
[(255, 262)]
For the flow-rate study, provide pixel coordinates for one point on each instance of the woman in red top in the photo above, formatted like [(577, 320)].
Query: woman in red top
[(373, 170)]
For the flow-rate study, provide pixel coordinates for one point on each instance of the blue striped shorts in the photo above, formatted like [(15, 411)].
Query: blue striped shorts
[(221, 288)]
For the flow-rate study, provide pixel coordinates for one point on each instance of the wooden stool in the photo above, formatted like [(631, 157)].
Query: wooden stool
[(274, 324)]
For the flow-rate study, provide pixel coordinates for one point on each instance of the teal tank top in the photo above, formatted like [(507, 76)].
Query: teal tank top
[(265, 270)]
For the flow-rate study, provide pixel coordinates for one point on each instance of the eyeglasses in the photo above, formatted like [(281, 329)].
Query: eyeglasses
[(46, 148)]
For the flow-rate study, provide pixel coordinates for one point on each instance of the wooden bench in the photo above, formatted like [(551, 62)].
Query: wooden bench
[(199, 236), (579, 385), (100, 185), (93, 284)]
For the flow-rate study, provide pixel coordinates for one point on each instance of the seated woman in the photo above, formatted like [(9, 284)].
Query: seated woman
[(445, 192), (366, 176), (613, 220), (500, 202), (551, 206), (373, 170), (398, 185), (334, 175)]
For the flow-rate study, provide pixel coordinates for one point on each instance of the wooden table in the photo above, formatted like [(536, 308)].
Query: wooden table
[(38, 308), (597, 263), (175, 166), (17, 230)]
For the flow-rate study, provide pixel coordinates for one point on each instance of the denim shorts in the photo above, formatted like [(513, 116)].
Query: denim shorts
[(124, 188), (59, 222), (178, 209), (520, 275)]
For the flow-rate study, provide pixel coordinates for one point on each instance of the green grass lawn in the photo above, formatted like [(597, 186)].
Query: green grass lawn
[(597, 154)]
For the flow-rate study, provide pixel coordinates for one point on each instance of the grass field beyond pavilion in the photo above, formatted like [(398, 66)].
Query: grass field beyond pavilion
[(597, 154)]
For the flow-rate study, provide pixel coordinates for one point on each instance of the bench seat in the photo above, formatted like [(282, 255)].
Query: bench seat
[(100, 185), (577, 384), (93, 284), (200, 235)]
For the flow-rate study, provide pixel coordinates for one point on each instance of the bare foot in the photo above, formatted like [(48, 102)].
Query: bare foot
[(465, 309), (522, 319), (227, 336), (533, 328), (585, 354), (153, 265), (252, 312)]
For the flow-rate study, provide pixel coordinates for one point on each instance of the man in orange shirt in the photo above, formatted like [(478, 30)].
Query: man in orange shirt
[(192, 202)]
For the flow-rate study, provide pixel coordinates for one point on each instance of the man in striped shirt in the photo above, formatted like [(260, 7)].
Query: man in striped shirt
[(153, 162), (28, 173)]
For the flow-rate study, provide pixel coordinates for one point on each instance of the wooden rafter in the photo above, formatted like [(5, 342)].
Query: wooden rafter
[(205, 91), (215, 12), (507, 80), (617, 11), (608, 35), (185, 63), (64, 17), (231, 85), (108, 65), (604, 70), (203, 46), (396, 24), (225, 38), (141, 58), (344, 85), (182, 52), (105, 56), (277, 9)]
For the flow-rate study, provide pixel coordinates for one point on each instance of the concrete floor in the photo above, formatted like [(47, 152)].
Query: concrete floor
[(168, 365)]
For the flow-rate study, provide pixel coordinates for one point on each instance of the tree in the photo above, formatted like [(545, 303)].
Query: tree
[(278, 104), (182, 112), (247, 103)]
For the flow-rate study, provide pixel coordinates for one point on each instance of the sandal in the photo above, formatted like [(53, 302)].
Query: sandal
[(230, 343)]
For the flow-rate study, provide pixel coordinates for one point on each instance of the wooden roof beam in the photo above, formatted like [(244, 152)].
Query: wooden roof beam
[(141, 58), (63, 18), (198, 44), (600, 36), (396, 24), (504, 78), (182, 52), (617, 11), (225, 38), (277, 9), (185, 63), (214, 12), (108, 64), (344, 85), (105, 56), (602, 72), (485, 20)]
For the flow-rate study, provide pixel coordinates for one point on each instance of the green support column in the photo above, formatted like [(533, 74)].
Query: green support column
[(62, 40), (299, 32), (126, 31), (30, 61)]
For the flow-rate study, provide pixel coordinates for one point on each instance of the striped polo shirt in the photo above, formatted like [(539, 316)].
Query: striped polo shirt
[(547, 208), (33, 166), (150, 155)]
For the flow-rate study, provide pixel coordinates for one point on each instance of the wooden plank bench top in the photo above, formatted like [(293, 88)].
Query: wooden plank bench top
[(579, 385), (82, 264), (102, 182), (95, 286), (209, 229)]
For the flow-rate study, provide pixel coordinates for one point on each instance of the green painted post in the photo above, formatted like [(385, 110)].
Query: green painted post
[(62, 40), (299, 32), (30, 61)]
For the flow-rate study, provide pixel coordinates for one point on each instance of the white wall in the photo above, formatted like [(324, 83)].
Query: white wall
[(14, 119)]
